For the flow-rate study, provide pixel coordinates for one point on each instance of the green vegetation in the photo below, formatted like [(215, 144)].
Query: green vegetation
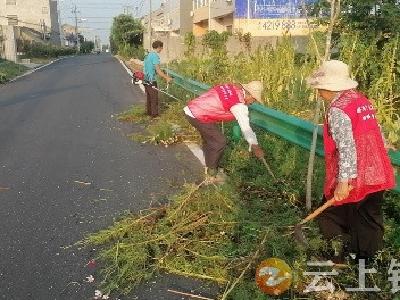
[(126, 37), (213, 232), (284, 72), (135, 114), (9, 70), (39, 50), (87, 47)]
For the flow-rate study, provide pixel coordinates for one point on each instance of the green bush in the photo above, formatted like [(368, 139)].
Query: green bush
[(38, 50), (128, 51)]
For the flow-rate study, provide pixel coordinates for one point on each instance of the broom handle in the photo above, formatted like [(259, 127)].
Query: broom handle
[(318, 211)]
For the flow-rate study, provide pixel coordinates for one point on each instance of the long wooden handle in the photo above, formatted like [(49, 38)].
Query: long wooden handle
[(318, 211), (268, 168)]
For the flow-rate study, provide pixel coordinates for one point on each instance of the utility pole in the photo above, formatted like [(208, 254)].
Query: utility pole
[(150, 27), (61, 33), (209, 15), (42, 28), (78, 42)]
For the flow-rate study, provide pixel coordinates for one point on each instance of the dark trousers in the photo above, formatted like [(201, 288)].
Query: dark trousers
[(214, 141), (152, 105), (358, 225)]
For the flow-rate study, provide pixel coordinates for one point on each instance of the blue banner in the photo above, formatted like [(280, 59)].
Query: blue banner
[(271, 9)]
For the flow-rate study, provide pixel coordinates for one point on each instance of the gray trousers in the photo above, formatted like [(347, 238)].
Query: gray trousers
[(214, 141)]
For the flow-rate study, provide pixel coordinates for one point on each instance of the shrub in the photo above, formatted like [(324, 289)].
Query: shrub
[(128, 51), (9, 70), (39, 50)]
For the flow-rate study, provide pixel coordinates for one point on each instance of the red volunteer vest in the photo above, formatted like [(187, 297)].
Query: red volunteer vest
[(215, 105), (374, 170)]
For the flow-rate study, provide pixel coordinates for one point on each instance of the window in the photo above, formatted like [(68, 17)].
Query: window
[(200, 3), (45, 10), (11, 2), (12, 20)]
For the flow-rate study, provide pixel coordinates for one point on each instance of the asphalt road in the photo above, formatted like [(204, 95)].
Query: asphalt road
[(56, 128)]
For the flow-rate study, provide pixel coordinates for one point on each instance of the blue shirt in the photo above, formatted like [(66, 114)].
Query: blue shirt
[(150, 62)]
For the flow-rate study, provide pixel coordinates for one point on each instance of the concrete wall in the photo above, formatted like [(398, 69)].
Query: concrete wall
[(174, 46), (8, 45), (186, 18), (200, 28), (222, 24)]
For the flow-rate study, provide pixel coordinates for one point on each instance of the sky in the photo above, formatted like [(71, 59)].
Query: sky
[(96, 16)]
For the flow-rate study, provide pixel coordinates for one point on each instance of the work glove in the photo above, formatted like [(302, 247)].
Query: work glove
[(257, 151)]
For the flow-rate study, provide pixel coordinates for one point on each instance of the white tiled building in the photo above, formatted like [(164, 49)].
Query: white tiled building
[(39, 15)]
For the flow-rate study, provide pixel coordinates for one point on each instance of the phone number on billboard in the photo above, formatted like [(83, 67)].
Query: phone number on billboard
[(282, 25)]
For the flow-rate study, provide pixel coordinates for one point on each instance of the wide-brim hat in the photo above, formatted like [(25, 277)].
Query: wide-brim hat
[(255, 89), (332, 75)]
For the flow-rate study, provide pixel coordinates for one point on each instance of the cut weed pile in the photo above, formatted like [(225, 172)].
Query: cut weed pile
[(212, 233), (187, 237)]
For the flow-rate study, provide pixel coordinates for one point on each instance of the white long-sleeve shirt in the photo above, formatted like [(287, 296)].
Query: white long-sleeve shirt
[(241, 114)]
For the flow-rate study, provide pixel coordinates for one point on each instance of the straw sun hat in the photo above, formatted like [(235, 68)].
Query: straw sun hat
[(255, 89), (332, 75)]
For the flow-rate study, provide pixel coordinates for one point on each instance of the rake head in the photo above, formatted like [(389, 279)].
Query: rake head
[(298, 235)]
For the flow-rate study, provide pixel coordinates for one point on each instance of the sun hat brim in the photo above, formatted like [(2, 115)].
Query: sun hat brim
[(333, 86), (255, 95)]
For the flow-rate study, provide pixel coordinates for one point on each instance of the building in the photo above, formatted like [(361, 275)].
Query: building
[(158, 22), (68, 35), (97, 43), (173, 16), (178, 16), (215, 15), (40, 16), (258, 17)]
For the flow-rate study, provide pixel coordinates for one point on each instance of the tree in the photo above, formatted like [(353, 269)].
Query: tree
[(373, 19), (87, 47), (126, 31)]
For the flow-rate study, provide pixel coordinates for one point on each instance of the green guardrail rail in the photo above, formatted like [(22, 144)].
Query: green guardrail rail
[(291, 128)]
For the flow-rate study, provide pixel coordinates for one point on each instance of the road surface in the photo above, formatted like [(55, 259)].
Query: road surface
[(56, 130)]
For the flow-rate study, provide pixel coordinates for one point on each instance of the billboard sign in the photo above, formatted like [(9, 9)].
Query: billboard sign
[(270, 9)]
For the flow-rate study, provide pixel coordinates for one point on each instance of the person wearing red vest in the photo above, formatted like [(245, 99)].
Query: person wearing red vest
[(224, 102), (358, 168)]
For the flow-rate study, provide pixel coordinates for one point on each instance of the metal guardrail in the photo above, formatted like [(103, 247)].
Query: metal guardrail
[(188, 84), (291, 128)]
